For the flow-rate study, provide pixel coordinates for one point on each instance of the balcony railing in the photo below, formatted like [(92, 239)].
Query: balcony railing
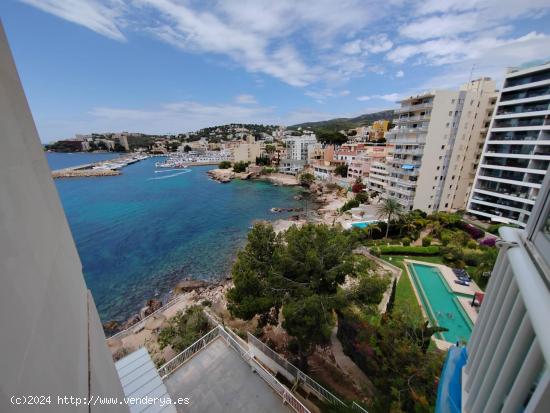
[(509, 350), (219, 331), (410, 108)]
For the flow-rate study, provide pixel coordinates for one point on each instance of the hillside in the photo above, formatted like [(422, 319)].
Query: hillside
[(345, 123)]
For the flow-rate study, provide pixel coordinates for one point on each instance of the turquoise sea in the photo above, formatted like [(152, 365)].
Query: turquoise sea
[(141, 232)]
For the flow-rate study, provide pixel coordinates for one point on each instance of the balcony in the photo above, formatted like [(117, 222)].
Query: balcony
[(509, 350), (411, 108)]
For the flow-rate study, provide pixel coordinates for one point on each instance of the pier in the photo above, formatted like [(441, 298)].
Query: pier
[(110, 167)]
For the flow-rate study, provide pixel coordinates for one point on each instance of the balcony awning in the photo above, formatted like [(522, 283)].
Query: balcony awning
[(408, 167)]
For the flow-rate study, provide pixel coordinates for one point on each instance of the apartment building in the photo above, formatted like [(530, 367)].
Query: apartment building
[(298, 150), (247, 152), (516, 155), (377, 180), (360, 166), (437, 138)]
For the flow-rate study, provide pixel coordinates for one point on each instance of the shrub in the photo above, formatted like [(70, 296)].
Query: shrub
[(375, 251), (426, 241), (488, 242), (395, 249), (352, 203), (406, 241), (445, 238), (240, 166), (472, 244), (266, 170), (357, 188), (306, 179), (362, 197), (224, 165), (474, 232), (493, 229), (341, 170)]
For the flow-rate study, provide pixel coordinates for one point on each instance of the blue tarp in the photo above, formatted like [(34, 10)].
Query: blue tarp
[(407, 166), (449, 391)]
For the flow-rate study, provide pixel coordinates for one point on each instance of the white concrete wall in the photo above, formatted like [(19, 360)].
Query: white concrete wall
[(51, 340)]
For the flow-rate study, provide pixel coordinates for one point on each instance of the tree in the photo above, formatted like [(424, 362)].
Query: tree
[(372, 228), (240, 166), (299, 271), (388, 209), (332, 138), (341, 170), (358, 187), (269, 148), (306, 179), (224, 165), (187, 148)]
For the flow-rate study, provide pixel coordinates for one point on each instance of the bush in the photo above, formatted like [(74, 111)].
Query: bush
[(472, 244), (266, 170), (375, 251), (357, 188), (341, 170), (406, 241), (224, 165), (398, 250), (306, 179), (352, 203), (474, 232), (362, 197), (426, 241), (488, 242), (240, 166), (493, 229)]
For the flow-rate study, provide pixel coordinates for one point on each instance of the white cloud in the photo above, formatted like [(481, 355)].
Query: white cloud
[(400, 73), (246, 99), (101, 17), (390, 97)]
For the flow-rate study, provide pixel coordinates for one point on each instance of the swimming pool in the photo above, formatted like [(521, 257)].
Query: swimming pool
[(363, 224), (440, 303)]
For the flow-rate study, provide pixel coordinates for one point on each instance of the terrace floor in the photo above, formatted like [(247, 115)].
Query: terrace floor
[(217, 379)]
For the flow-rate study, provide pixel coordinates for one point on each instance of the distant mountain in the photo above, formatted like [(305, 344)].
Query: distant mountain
[(345, 123)]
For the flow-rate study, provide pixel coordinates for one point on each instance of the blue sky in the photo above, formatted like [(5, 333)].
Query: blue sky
[(166, 66)]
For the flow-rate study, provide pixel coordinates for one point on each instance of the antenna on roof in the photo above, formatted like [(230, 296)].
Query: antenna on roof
[(471, 72)]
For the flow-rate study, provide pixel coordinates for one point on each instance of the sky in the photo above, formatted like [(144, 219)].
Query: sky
[(172, 66)]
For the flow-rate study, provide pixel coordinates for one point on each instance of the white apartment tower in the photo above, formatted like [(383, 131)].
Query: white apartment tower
[(438, 138), (516, 154)]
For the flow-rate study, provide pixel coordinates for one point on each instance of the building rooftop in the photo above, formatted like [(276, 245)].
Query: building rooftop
[(217, 379)]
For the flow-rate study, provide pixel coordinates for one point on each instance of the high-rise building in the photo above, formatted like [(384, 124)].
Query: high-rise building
[(298, 150), (437, 138), (516, 154)]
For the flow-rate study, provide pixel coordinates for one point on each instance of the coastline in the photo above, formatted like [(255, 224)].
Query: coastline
[(143, 330)]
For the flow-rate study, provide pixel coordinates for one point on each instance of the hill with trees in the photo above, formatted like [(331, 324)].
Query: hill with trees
[(338, 124)]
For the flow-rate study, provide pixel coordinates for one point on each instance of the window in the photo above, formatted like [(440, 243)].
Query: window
[(450, 113)]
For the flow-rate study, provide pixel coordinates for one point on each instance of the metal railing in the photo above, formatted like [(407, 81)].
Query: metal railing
[(167, 368), (356, 408), (234, 342), (295, 372)]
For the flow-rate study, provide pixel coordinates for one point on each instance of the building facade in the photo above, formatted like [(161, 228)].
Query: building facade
[(516, 155), (299, 149), (437, 139)]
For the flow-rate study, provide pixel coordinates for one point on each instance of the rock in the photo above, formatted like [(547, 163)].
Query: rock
[(111, 327), (131, 321), (154, 304), (190, 285)]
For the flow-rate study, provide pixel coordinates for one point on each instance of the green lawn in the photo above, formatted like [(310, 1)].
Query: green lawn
[(405, 299)]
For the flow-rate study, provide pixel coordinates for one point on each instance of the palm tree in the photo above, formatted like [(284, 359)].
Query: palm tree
[(389, 208), (371, 228)]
